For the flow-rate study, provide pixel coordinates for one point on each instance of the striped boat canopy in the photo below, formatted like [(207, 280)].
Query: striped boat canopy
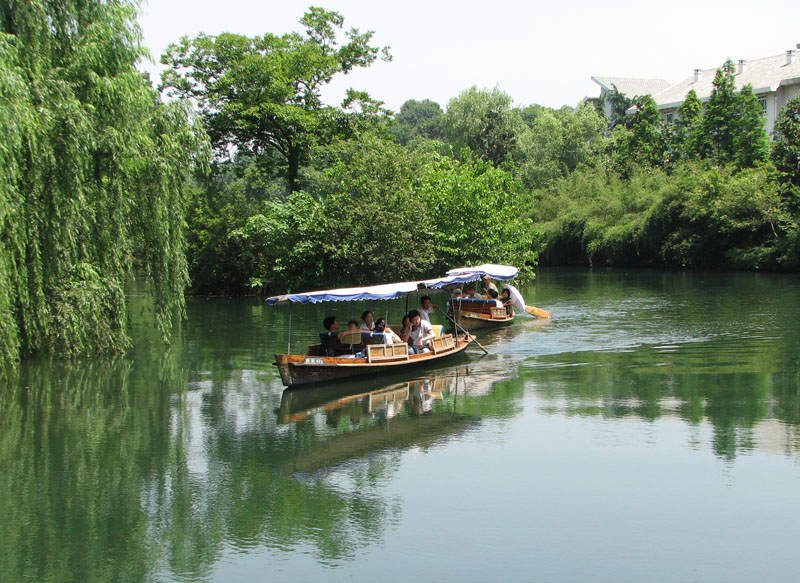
[(493, 270)]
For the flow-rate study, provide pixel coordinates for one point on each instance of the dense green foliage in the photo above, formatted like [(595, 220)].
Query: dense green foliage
[(786, 156), (555, 143), (642, 143), (97, 177), (696, 216), (374, 211), (732, 126), (699, 192), (485, 180), (92, 174)]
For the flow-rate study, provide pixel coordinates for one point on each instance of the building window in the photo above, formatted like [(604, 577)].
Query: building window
[(669, 117), (762, 101)]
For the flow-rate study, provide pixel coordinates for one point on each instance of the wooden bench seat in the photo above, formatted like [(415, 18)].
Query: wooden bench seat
[(476, 306), (384, 352)]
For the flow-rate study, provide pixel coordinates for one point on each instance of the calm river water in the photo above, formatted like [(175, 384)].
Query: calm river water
[(649, 432)]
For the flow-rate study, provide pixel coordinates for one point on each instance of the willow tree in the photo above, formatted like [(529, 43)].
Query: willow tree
[(92, 174)]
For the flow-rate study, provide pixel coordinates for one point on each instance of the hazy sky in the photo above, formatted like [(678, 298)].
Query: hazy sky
[(537, 52)]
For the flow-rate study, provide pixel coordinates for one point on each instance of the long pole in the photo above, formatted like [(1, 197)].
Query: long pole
[(458, 327), (289, 345)]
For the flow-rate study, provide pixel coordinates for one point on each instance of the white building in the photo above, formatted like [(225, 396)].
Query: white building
[(775, 80), (627, 86)]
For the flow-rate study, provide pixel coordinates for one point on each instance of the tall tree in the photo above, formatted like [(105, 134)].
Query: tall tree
[(418, 118), (484, 122), (555, 143), (733, 123), (720, 115), (644, 144), (786, 152), (583, 136), (92, 174), (750, 141), (686, 138), (648, 145), (263, 94)]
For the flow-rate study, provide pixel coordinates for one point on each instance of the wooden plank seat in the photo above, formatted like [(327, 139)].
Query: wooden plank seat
[(442, 343), (499, 313), (479, 306), (349, 343), (384, 352)]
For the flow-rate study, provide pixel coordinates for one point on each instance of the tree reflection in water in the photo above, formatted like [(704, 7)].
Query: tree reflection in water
[(107, 479), (160, 466)]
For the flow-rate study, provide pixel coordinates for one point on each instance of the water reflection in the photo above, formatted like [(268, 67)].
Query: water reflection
[(178, 465), (360, 420), (106, 479), (735, 386)]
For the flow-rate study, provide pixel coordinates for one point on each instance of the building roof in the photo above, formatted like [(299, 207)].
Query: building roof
[(632, 87), (765, 75)]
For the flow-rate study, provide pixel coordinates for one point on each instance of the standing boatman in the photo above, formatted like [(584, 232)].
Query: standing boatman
[(487, 285)]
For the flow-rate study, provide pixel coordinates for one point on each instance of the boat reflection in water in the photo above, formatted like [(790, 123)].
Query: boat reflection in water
[(360, 420)]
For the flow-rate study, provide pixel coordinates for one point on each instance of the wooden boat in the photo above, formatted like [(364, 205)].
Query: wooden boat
[(475, 314), (480, 313), (366, 354), (469, 314), (314, 367)]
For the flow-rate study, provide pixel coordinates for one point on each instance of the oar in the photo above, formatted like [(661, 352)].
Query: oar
[(475, 340), (538, 312)]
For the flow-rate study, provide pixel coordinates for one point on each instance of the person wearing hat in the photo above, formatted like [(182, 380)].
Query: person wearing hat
[(487, 285)]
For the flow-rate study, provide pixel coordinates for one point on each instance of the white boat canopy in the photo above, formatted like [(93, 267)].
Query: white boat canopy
[(387, 291), (493, 270)]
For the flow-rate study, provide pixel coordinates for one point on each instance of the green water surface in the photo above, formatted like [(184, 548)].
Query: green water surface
[(648, 432)]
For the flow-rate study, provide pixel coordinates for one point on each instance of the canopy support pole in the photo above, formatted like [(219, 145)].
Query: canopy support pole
[(289, 342)]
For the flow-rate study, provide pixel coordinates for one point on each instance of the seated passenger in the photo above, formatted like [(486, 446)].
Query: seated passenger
[(456, 293), (332, 326), (388, 334), (421, 333), (352, 326), (507, 301), (492, 293), (405, 329), (471, 292), (369, 321)]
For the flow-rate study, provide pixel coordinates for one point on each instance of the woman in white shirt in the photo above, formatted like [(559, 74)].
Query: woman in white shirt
[(369, 321), (388, 334)]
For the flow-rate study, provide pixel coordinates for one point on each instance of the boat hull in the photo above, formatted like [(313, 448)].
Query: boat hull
[(469, 321), (299, 370)]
